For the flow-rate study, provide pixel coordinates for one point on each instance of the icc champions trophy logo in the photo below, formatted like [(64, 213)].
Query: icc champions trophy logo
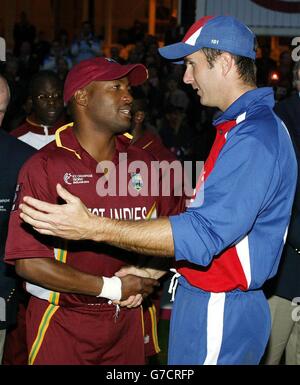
[(67, 178)]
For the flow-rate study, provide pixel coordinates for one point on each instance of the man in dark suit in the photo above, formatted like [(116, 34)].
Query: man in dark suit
[(285, 287), (288, 110), (13, 153)]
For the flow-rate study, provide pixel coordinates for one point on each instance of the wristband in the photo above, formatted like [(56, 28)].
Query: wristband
[(112, 288)]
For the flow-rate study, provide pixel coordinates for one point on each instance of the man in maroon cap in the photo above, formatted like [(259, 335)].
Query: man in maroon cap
[(71, 317)]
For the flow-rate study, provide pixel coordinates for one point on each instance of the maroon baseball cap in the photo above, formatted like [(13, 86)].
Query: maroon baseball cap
[(101, 68)]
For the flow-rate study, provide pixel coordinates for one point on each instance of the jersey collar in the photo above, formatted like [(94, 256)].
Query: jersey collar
[(65, 138), (258, 96)]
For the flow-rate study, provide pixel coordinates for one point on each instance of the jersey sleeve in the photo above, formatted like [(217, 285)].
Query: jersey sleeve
[(234, 193), (22, 240)]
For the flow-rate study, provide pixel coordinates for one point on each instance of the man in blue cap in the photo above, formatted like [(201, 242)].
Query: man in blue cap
[(229, 240)]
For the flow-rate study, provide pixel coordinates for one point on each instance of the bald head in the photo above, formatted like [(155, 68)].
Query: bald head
[(4, 98)]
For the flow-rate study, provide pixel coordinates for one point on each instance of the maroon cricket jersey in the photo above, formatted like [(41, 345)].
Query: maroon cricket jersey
[(151, 142), (65, 161), (29, 126), (172, 204), (36, 135)]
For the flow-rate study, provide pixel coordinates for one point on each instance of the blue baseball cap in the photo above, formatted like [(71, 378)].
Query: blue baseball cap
[(224, 33)]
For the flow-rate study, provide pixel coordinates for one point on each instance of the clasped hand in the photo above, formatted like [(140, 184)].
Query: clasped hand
[(136, 285)]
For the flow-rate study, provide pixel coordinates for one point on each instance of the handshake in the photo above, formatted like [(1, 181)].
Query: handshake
[(130, 285)]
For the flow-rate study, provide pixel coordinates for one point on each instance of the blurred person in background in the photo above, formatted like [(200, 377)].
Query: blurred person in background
[(265, 65), (176, 133), (23, 31), (86, 46), (284, 288), (51, 60), (45, 102), (13, 154), (15, 112)]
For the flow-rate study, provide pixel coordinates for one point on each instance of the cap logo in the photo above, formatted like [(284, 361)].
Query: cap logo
[(193, 38), (214, 41)]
